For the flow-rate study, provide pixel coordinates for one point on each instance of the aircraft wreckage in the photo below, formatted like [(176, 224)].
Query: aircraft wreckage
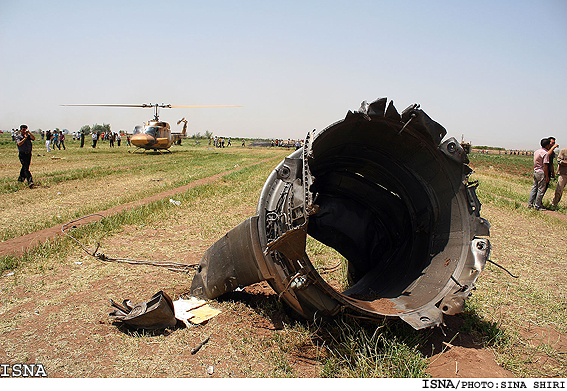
[(385, 191)]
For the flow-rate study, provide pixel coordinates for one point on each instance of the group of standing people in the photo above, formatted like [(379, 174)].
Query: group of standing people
[(218, 142), (109, 136), (55, 139), (544, 171)]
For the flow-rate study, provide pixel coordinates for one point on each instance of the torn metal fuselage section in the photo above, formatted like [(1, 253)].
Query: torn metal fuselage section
[(389, 195)]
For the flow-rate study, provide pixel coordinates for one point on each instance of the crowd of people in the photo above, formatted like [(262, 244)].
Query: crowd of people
[(219, 142), (113, 138), (544, 159)]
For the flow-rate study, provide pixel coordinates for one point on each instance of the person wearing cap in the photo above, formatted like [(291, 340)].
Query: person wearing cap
[(541, 174), (24, 142)]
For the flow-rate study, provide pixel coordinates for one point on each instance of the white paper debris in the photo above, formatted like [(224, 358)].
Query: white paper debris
[(193, 311)]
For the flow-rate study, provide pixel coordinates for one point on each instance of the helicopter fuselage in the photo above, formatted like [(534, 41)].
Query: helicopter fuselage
[(152, 135)]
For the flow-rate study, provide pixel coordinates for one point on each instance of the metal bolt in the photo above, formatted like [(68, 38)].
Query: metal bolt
[(452, 147)]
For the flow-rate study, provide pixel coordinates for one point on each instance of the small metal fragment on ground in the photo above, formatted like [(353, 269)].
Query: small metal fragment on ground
[(157, 313), (199, 346), (210, 370)]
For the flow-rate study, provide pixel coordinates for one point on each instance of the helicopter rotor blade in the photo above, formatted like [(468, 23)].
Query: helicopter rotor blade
[(204, 106), (108, 105), (148, 105)]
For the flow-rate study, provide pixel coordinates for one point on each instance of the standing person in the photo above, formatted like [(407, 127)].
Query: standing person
[(118, 138), (128, 141), (48, 140), (541, 174), (95, 139), (24, 142), (550, 167), (111, 139), (82, 139), (56, 140), (62, 141), (562, 173)]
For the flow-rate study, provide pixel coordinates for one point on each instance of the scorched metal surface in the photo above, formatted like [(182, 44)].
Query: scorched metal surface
[(385, 191)]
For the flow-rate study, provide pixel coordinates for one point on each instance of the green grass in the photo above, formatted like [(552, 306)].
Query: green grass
[(364, 350), (86, 180), (341, 347)]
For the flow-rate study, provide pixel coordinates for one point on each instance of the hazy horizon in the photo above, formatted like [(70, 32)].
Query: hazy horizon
[(491, 72)]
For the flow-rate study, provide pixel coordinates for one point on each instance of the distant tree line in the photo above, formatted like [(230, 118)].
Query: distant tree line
[(96, 128), (198, 135), (486, 147)]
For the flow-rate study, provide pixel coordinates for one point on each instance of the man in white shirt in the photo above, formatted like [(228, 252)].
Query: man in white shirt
[(541, 174)]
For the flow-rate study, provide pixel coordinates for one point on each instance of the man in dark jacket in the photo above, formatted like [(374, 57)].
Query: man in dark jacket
[(24, 141)]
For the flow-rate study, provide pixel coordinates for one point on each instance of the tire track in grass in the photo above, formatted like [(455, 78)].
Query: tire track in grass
[(19, 245)]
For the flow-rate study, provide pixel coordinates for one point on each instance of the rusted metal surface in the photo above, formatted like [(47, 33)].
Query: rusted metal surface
[(384, 190), (156, 313)]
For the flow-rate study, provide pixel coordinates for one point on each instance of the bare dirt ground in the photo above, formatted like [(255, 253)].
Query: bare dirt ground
[(56, 314)]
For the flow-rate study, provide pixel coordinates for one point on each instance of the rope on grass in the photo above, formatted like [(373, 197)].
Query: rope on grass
[(503, 268), (172, 266)]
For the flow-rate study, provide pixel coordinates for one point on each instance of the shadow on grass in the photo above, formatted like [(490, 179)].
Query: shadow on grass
[(350, 347), (467, 330), (137, 332), (342, 346)]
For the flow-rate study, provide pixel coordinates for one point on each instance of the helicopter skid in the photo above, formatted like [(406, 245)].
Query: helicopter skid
[(143, 150)]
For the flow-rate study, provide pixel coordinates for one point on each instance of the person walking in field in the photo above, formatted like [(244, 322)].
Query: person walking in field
[(541, 174), (24, 142), (48, 140), (562, 174), (56, 140), (95, 139), (62, 141)]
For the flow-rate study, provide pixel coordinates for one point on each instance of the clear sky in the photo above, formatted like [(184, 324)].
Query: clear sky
[(493, 71)]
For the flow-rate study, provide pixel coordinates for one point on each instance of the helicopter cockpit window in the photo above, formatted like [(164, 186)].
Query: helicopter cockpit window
[(138, 129), (151, 131)]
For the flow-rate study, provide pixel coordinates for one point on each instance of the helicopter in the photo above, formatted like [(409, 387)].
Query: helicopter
[(155, 134)]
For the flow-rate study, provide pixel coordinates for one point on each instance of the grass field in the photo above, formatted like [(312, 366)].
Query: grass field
[(54, 299)]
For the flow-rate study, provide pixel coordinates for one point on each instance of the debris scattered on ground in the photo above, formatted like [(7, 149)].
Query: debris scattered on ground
[(174, 202), (199, 346), (210, 370), (157, 313), (193, 311), (161, 312)]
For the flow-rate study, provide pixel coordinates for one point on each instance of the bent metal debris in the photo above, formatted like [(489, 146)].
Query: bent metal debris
[(388, 193)]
